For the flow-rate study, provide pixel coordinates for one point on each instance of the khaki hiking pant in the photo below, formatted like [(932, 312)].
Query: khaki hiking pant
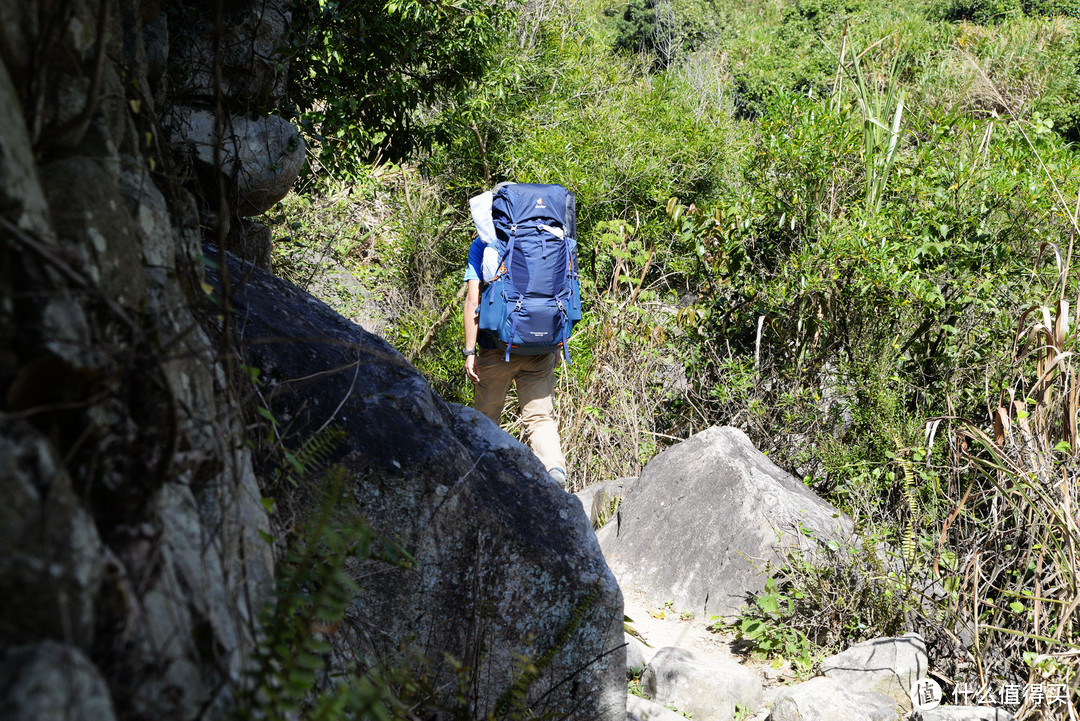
[(535, 379)]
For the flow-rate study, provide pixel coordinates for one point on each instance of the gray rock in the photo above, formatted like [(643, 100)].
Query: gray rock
[(710, 691), (18, 30), (344, 291), (505, 564), (49, 680), (890, 666), (821, 699), (151, 215), (94, 215), (963, 713), (252, 62), (642, 709), (704, 519), (132, 517), (597, 498), (635, 653), (21, 198), (261, 157), (191, 594), (51, 567), (252, 242), (156, 47)]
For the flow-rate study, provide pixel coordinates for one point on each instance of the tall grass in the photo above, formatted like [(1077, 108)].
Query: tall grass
[(1016, 536), (882, 115)]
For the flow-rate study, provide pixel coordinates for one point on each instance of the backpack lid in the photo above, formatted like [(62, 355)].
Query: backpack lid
[(519, 203), (522, 203)]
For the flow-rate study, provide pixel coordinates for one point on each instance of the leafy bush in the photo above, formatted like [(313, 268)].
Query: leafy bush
[(1051, 8), (766, 628), (668, 30), (987, 12), (983, 12), (363, 72)]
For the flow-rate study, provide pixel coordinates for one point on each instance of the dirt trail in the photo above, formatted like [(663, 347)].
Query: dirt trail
[(667, 626)]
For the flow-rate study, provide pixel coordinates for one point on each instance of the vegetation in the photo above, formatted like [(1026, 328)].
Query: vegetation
[(845, 226)]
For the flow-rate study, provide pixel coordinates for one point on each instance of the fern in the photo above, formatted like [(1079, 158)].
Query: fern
[(312, 593), (512, 702), (313, 455), (908, 546)]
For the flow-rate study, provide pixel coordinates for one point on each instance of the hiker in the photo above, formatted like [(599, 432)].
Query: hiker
[(523, 240)]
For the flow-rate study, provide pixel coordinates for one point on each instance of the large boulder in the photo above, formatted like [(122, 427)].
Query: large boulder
[(260, 157), (254, 52), (706, 517), (507, 578)]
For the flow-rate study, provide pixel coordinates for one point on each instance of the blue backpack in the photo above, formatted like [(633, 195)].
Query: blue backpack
[(531, 296)]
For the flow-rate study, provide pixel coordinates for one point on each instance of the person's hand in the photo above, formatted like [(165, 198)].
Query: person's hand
[(470, 368)]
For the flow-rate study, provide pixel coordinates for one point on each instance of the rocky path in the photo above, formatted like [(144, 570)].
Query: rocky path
[(666, 626)]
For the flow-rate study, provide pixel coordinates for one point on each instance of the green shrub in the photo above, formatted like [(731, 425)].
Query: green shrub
[(1052, 8), (669, 30), (988, 12), (984, 12)]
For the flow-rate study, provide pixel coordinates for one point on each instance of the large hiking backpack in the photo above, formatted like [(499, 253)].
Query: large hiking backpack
[(531, 297)]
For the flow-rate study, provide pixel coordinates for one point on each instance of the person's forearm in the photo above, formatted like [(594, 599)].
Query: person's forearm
[(472, 324)]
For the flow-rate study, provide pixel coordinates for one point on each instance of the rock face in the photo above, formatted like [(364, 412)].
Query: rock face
[(52, 681), (134, 564), (260, 157), (133, 567), (699, 525), (235, 155), (506, 564), (252, 64)]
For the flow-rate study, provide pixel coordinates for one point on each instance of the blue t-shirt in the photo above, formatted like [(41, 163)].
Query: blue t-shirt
[(476, 260)]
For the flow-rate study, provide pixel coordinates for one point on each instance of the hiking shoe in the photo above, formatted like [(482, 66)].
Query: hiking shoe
[(559, 476)]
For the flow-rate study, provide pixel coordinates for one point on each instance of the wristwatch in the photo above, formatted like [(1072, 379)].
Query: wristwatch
[(466, 352)]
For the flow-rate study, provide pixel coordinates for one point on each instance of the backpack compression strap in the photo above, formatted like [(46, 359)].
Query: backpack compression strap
[(509, 283)]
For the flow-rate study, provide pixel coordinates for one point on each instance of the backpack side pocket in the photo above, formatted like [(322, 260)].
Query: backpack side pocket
[(492, 311)]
